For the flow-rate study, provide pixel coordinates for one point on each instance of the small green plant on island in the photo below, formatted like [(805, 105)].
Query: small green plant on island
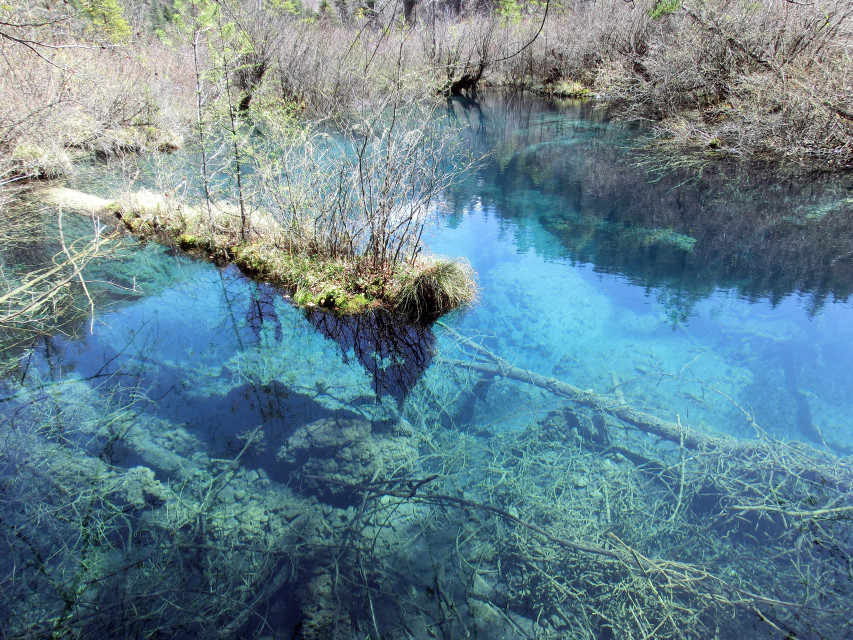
[(664, 7)]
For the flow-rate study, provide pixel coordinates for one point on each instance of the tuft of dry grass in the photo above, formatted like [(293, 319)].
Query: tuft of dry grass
[(433, 286)]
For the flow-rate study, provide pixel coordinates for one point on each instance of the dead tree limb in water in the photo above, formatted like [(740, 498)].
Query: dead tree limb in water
[(689, 578), (497, 366), (794, 458)]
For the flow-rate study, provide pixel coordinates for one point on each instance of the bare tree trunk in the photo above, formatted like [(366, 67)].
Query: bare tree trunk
[(200, 123), (410, 11), (238, 173)]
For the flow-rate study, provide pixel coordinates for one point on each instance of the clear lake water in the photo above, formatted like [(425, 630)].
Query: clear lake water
[(210, 461)]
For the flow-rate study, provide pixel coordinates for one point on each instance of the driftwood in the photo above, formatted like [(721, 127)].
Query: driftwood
[(641, 420), (492, 365)]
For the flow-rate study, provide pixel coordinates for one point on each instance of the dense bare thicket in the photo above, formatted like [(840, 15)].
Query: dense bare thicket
[(68, 83), (718, 74), (746, 78), (330, 69)]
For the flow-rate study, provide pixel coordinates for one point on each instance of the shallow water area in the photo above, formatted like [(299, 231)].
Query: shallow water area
[(641, 430)]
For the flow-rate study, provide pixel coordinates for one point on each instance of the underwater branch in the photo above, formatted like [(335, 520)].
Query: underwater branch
[(798, 461), (687, 577)]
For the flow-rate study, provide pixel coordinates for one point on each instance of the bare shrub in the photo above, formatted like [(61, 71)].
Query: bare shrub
[(61, 88), (363, 191), (719, 74), (757, 78), (315, 67)]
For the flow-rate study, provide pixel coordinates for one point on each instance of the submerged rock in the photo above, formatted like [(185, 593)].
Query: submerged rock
[(142, 489), (334, 454)]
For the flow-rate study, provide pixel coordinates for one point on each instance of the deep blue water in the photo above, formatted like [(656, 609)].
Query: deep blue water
[(717, 296)]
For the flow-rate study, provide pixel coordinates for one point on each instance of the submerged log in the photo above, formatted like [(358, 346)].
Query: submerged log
[(690, 438), (795, 459)]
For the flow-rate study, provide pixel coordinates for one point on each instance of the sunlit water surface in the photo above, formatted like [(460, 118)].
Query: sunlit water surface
[(715, 297)]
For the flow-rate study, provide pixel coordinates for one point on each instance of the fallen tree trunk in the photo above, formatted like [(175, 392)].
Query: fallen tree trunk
[(641, 420), (793, 458)]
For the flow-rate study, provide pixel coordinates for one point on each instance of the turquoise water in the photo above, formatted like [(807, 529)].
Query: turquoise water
[(585, 277), (210, 461)]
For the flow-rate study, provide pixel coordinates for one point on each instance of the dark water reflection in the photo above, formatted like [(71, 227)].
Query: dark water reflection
[(763, 229), (394, 352)]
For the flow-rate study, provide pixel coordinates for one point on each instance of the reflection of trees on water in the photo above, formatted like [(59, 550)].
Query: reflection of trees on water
[(394, 353), (261, 309), (766, 231)]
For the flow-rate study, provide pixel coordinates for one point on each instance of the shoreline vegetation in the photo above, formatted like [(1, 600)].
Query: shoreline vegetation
[(323, 117), (421, 290), (720, 76)]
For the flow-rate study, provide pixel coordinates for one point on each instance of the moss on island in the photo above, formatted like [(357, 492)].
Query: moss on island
[(422, 289)]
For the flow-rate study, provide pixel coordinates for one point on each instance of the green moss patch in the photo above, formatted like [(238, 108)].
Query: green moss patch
[(423, 291)]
